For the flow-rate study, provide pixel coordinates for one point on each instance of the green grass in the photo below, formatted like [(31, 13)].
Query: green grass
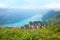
[(48, 33)]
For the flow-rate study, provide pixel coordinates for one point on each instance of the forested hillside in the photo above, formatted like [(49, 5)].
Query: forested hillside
[(54, 19)]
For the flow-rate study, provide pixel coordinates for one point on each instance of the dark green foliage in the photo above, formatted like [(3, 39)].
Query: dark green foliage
[(48, 33)]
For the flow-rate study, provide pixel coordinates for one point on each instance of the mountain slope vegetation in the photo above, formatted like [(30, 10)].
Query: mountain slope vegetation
[(54, 20), (50, 14)]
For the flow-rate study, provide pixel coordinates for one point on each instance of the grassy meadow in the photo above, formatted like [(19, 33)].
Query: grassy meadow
[(45, 33)]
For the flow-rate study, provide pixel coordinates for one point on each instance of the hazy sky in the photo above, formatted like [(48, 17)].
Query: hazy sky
[(30, 4)]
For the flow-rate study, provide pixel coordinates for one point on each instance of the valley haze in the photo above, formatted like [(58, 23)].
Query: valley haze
[(20, 17)]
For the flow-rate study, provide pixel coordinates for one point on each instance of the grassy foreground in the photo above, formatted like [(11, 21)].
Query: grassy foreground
[(47, 33)]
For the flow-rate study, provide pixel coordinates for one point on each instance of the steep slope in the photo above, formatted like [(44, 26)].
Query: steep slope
[(54, 20), (49, 14)]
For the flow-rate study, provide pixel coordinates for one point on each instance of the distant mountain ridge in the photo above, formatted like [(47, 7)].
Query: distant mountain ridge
[(54, 19), (49, 14)]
